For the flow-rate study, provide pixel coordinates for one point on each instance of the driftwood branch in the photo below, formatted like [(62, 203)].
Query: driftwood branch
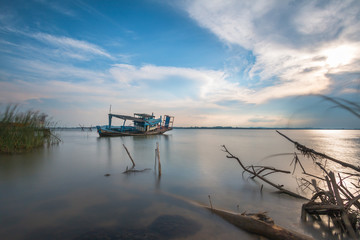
[(255, 174), (312, 153), (332, 204), (305, 184), (258, 223), (339, 203), (337, 200), (296, 161), (254, 224)]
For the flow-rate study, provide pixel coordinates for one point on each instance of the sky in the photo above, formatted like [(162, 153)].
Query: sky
[(256, 63)]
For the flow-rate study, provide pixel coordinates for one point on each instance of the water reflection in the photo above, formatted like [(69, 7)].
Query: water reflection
[(13, 166), (62, 192), (107, 152)]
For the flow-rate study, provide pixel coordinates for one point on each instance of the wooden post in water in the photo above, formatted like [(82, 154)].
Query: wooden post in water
[(155, 160), (129, 156), (157, 155), (211, 202)]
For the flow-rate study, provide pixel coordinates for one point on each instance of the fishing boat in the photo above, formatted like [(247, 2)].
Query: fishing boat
[(142, 124)]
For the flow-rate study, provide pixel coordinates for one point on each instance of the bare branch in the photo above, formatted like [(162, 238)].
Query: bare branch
[(312, 153), (251, 170)]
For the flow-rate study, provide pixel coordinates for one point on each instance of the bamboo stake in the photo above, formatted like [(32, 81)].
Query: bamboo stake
[(211, 202), (158, 157), (129, 156), (155, 161)]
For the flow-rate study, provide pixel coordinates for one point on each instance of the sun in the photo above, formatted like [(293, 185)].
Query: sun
[(340, 56)]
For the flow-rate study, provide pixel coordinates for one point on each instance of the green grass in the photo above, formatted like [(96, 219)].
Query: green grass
[(24, 131)]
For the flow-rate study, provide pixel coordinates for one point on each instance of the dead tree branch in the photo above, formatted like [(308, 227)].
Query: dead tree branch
[(313, 154), (256, 174), (338, 202)]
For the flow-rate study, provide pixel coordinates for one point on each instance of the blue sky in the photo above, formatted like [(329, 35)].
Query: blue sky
[(206, 62)]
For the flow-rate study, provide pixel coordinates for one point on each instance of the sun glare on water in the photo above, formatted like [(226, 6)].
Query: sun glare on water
[(338, 144)]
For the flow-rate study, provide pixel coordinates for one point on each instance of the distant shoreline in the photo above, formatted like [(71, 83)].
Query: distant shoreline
[(267, 128), (219, 127)]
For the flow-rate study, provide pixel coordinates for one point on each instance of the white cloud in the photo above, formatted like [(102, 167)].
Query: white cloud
[(189, 110), (293, 56), (22, 91), (48, 71), (236, 120), (296, 44), (313, 18), (127, 73), (209, 82), (68, 83)]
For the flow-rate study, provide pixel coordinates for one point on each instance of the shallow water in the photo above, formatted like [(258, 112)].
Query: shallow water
[(62, 192)]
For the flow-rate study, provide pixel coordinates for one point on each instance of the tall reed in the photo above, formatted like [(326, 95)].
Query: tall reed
[(24, 131)]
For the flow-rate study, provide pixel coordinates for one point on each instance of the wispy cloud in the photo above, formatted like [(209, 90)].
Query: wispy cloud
[(58, 7), (72, 44), (57, 45)]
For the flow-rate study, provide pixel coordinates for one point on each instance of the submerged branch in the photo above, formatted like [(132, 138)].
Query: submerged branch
[(132, 170), (256, 223)]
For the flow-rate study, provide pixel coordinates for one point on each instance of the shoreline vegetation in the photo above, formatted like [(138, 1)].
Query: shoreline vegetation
[(24, 131)]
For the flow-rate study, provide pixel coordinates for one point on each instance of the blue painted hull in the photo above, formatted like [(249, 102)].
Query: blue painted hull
[(104, 131)]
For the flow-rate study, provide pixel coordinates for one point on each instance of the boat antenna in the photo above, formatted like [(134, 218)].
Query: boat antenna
[(110, 109)]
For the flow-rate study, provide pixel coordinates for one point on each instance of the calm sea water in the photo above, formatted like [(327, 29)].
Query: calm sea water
[(62, 192)]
